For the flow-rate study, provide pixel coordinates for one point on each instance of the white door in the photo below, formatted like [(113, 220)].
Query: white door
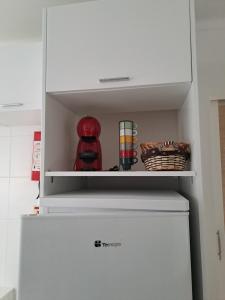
[(114, 256), (217, 239), (105, 44)]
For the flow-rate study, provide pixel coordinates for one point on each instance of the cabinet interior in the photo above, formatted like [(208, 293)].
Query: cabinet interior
[(61, 138)]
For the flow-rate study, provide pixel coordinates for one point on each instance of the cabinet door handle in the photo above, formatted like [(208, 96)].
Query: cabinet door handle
[(11, 105), (219, 245), (114, 79)]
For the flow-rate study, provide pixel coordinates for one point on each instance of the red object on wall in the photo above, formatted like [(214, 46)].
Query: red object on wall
[(36, 157)]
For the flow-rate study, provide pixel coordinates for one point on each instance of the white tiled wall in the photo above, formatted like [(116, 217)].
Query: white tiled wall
[(17, 194)]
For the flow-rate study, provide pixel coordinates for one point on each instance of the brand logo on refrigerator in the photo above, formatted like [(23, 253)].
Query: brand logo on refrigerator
[(99, 244)]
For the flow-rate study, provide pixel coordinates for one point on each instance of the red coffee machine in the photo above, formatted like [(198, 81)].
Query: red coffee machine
[(89, 154)]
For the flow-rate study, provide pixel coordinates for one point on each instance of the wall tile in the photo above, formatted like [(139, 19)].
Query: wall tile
[(3, 240), (12, 254), (24, 130), (22, 194), (21, 156), (17, 195), (4, 156), (4, 197)]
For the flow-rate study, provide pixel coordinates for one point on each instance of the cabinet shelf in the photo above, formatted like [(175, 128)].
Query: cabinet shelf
[(121, 173)]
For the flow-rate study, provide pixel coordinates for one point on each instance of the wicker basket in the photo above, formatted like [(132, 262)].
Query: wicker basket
[(165, 156)]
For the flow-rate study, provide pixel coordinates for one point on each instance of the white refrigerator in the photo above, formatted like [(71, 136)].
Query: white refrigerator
[(121, 246)]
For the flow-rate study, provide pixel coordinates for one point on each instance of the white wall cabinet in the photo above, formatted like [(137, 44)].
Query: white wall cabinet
[(20, 83), (110, 44), (21, 74)]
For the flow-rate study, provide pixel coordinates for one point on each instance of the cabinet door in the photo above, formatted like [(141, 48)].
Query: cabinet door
[(21, 74), (118, 43)]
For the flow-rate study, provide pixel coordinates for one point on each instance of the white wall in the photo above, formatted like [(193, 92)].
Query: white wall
[(211, 58), (17, 194)]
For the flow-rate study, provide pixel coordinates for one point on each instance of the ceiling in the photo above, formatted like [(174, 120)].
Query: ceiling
[(22, 19)]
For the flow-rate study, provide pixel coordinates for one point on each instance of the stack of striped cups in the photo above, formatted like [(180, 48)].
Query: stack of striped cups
[(128, 146)]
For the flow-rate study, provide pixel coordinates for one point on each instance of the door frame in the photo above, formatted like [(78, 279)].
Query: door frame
[(217, 189)]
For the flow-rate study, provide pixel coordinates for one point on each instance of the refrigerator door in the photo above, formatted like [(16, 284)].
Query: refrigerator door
[(113, 256)]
